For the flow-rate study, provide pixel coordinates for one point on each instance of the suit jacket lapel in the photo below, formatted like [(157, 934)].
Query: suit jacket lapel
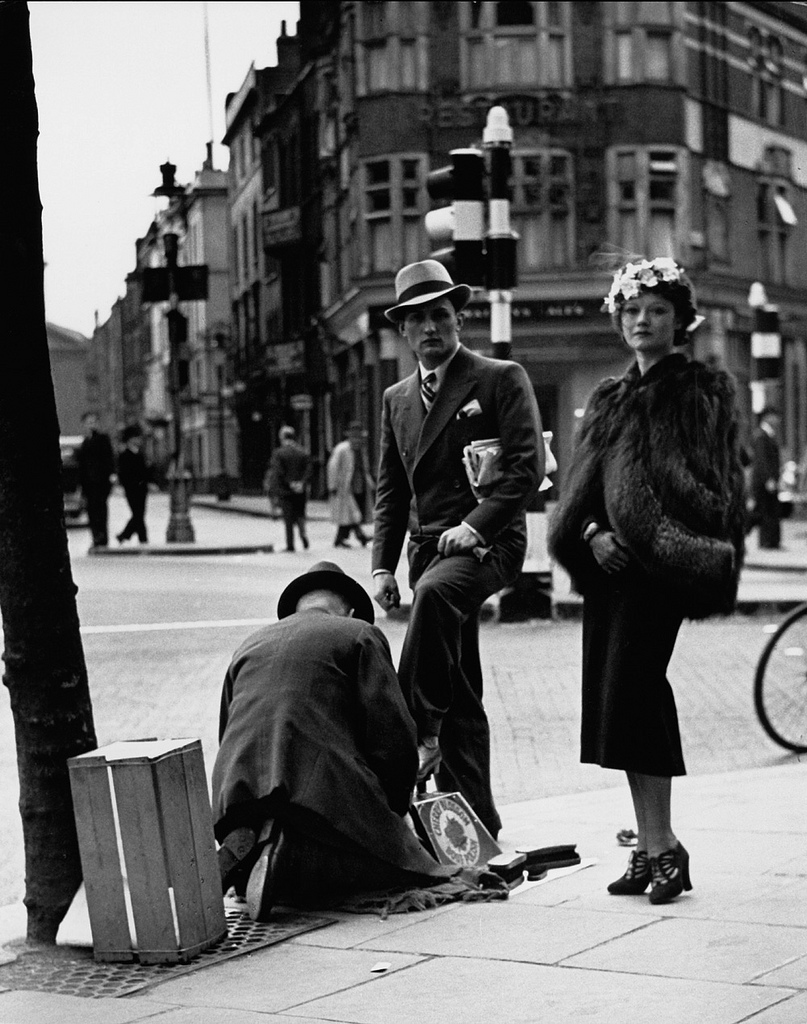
[(459, 380)]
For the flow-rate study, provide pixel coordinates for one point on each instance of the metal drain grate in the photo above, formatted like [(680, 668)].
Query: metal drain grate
[(71, 970)]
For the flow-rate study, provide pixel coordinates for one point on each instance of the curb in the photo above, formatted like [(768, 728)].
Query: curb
[(145, 550)]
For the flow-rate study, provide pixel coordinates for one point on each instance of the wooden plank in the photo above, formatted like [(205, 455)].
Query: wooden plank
[(144, 855), (100, 860), (204, 843), (169, 772)]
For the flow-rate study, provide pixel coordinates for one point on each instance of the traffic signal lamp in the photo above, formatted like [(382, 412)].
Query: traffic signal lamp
[(457, 230)]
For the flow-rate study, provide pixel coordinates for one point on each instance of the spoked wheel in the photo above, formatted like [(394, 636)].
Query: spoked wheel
[(780, 686)]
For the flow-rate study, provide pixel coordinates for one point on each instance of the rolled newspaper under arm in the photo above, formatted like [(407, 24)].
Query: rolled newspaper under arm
[(482, 461)]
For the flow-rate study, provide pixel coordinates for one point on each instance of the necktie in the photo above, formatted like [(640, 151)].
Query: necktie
[(427, 390)]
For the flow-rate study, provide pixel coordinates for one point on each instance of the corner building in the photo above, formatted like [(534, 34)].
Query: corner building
[(658, 128)]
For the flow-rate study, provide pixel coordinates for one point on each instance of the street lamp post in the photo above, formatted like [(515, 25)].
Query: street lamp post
[(174, 284), (180, 528), (225, 393)]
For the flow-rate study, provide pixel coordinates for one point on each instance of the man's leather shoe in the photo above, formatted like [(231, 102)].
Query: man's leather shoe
[(234, 855), (260, 887), (429, 757)]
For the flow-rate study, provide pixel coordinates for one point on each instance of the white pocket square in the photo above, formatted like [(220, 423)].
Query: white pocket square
[(473, 408)]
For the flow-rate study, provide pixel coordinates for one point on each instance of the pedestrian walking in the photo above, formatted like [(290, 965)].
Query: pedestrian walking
[(287, 483), (650, 527), (463, 546), (134, 476), (350, 486), (96, 469), (765, 474), (317, 757)]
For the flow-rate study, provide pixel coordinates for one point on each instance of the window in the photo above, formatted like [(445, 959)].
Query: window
[(716, 184), (542, 209), (393, 48), (646, 199), (393, 212), (517, 44), (376, 56), (775, 220), (658, 63), (765, 57), (642, 44)]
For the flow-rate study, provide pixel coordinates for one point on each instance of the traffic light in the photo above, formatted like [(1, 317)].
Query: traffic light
[(458, 229)]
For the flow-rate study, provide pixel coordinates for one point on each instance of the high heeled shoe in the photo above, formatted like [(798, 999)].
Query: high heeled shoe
[(637, 877), (670, 871)]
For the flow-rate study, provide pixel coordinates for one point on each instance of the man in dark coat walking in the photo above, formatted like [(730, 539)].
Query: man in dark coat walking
[(96, 468), (765, 471), (318, 755), (463, 546), (133, 474)]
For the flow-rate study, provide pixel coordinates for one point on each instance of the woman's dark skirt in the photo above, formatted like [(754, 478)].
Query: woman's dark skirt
[(629, 719)]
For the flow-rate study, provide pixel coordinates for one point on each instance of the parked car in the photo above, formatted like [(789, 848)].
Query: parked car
[(74, 509)]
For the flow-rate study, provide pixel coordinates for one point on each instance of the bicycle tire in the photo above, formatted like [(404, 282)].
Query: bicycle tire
[(780, 683)]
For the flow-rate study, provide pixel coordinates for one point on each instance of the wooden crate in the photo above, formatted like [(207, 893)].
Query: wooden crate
[(148, 854)]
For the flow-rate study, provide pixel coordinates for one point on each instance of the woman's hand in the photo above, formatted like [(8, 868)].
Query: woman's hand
[(611, 556)]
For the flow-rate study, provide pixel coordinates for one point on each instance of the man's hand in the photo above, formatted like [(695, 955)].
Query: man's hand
[(387, 594), (610, 554), (457, 540)]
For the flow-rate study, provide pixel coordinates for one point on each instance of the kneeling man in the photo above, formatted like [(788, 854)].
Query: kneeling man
[(318, 756)]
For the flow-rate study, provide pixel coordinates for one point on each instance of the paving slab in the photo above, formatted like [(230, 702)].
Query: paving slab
[(792, 975), (278, 978), (24, 1007), (791, 1010), (354, 929), (509, 931), (481, 991), (705, 950)]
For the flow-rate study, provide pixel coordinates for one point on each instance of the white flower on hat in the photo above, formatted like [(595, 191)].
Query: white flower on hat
[(629, 281)]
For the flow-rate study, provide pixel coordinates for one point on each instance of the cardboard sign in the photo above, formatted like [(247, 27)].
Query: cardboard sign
[(453, 832)]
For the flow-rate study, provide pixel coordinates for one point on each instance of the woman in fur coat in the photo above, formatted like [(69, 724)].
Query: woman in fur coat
[(650, 528)]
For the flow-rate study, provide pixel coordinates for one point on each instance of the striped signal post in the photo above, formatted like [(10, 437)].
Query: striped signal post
[(500, 240), (531, 595), (766, 350)]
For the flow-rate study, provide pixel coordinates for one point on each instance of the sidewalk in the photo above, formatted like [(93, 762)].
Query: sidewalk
[(563, 950), (772, 580)]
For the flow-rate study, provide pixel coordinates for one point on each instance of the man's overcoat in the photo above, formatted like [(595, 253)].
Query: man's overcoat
[(312, 715)]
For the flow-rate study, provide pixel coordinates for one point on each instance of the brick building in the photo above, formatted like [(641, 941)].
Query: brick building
[(661, 128)]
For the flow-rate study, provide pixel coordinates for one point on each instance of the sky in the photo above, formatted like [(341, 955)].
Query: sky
[(121, 87)]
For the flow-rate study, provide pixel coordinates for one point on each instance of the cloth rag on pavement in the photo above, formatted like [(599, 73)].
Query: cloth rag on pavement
[(485, 889)]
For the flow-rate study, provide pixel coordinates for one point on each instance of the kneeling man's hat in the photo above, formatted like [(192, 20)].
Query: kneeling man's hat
[(419, 283), (327, 576)]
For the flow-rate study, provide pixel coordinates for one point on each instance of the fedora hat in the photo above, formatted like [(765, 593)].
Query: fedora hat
[(419, 283), (326, 576)]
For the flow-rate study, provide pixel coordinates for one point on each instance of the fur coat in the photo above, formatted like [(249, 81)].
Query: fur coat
[(658, 462)]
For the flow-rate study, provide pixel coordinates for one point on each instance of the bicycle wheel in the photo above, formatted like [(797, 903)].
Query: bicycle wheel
[(780, 685)]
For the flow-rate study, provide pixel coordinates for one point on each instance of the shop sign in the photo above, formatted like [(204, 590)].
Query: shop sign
[(281, 227), (527, 110), (287, 357)]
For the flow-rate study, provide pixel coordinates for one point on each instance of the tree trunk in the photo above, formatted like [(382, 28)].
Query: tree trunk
[(45, 670)]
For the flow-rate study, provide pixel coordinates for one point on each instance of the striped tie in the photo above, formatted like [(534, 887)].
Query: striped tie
[(427, 391)]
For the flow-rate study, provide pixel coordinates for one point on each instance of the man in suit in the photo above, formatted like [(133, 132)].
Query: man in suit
[(286, 482), (765, 472), (318, 756), (461, 550), (96, 468)]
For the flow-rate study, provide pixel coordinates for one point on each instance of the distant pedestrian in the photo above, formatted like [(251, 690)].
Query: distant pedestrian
[(287, 484), (96, 471), (350, 486), (765, 472), (650, 527), (133, 475)]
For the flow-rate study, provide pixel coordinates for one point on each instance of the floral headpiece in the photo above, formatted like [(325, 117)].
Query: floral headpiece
[(646, 274)]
